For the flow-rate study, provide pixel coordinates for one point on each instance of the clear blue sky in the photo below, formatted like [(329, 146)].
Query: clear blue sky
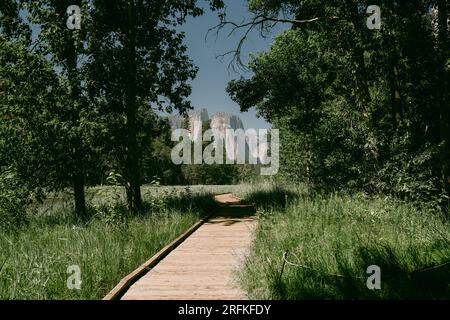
[(208, 89)]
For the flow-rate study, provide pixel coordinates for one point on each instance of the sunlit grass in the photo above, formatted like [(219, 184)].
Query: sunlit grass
[(333, 239), (37, 258), (34, 259)]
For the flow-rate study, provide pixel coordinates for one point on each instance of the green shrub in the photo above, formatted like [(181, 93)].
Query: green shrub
[(14, 201)]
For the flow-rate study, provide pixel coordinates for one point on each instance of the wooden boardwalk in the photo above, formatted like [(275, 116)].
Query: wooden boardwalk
[(202, 267)]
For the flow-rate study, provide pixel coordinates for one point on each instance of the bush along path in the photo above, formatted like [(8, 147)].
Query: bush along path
[(202, 267)]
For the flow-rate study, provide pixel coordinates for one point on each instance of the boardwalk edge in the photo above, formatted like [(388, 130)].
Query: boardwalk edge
[(121, 288)]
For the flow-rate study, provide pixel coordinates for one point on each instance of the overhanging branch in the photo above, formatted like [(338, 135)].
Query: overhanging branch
[(257, 21)]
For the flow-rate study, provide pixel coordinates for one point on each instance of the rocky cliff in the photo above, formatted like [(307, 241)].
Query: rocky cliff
[(220, 121)]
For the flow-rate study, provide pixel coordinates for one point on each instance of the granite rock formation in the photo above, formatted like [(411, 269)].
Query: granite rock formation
[(220, 121)]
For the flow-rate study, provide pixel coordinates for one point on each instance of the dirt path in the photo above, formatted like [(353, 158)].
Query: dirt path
[(202, 267)]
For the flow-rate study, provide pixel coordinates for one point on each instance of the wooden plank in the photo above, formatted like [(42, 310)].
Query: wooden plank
[(202, 267), (128, 281), (210, 247)]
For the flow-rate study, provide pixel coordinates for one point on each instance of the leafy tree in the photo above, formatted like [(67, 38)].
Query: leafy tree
[(12, 25), (65, 48), (84, 120), (365, 107), (31, 143), (139, 61), (156, 163)]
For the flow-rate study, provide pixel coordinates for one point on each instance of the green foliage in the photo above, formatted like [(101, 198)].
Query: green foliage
[(210, 174), (137, 60), (11, 25), (364, 109), (112, 212), (33, 133), (156, 163), (14, 201), (67, 117)]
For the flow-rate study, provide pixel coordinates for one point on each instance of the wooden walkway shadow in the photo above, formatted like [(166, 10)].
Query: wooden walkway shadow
[(202, 267)]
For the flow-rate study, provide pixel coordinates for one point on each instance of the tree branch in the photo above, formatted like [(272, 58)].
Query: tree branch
[(257, 21)]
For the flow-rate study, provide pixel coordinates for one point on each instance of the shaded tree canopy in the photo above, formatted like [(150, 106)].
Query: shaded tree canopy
[(362, 108)]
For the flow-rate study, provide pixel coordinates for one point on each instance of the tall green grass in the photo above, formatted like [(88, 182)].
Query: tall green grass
[(332, 240), (34, 259)]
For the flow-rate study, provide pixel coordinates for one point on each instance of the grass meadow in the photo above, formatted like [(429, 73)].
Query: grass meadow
[(34, 259), (331, 240), (328, 242)]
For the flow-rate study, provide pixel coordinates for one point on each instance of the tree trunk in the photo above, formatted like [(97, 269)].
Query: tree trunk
[(78, 175), (134, 198), (363, 100)]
